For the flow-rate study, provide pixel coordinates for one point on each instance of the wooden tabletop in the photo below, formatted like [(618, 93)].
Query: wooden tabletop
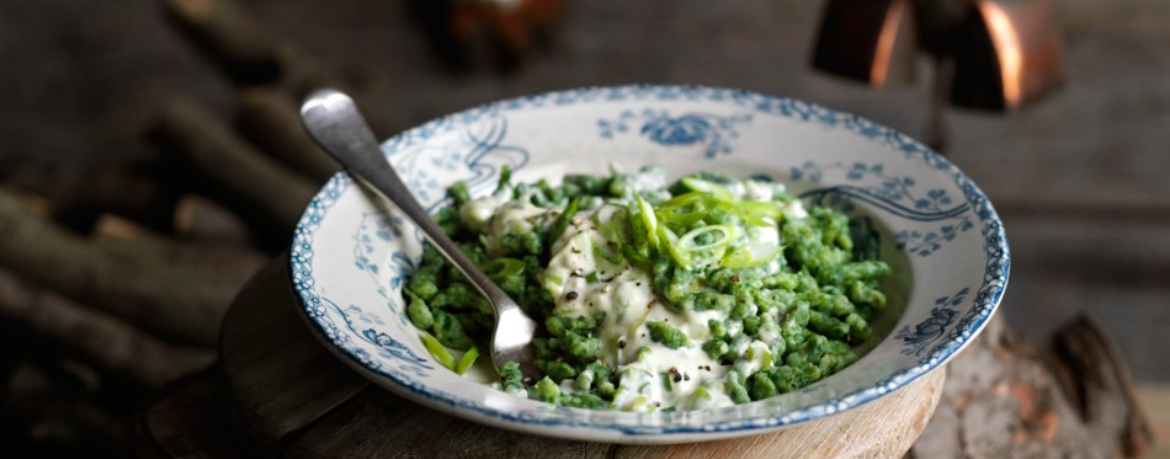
[(282, 393)]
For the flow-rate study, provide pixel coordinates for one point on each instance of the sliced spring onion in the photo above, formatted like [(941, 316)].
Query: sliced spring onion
[(591, 277), (726, 234), (638, 323), (611, 257), (667, 238), (610, 247), (705, 186), (468, 360), (648, 219), (763, 209), (503, 268), (555, 280), (679, 219), (680, 201), (683, 210), (438, 351), (562, 222), (505, 177), (751, 255)]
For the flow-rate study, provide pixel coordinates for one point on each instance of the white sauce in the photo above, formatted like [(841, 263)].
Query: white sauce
[(757, 191), (477, 214), (626, 295), (515, 217), (795, 209)]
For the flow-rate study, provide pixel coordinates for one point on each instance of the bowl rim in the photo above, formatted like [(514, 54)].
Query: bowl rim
[(986, 300)]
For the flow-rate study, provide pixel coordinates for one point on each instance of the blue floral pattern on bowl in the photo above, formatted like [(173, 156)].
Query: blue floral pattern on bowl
[(351, 251), (896, 195), (712, 132), (932, 329)]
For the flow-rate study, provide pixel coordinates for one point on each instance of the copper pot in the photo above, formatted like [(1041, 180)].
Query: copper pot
[(1005, 53)]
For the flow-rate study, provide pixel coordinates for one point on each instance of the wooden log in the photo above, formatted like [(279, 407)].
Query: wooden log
[(1092, 375), (1007, 399), (111, 345), (248, 53), (78, 194), (238, 174), (244, 51), (126, 241), (271, 120), (200, 219), (167, 300), (251, 56), (58, 417)]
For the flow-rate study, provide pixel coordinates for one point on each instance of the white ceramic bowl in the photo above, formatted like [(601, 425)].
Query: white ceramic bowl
[(938, 231)]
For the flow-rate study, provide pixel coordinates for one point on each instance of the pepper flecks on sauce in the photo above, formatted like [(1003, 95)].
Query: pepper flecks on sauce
[(706, 292)]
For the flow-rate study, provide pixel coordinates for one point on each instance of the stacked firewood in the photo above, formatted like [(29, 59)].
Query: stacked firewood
[(114, 278)]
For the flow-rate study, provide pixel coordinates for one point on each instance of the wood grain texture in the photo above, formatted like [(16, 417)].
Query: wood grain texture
[(271, 120), (378, 424), (191, 422), (234, 170), (885, 428), (121, 351), (144, 289), (294, 397), (282, 379)]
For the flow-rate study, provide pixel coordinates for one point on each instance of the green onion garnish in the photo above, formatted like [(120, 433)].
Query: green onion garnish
[(751, 255), (648, 219), (725, 234), (562, 222), (468, 360), (668, 239), (438, 351), (503, 268), (712, 188)]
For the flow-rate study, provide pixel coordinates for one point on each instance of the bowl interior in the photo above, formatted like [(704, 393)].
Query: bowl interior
[(913, 209)]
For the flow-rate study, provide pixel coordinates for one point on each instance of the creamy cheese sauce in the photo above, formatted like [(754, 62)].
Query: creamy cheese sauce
[(515, 217), (626, 295)]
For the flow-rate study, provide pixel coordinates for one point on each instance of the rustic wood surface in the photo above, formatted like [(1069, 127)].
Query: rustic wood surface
[(292, 397)]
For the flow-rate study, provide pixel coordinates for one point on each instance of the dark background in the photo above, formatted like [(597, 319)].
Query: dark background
[(1080, 179)]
